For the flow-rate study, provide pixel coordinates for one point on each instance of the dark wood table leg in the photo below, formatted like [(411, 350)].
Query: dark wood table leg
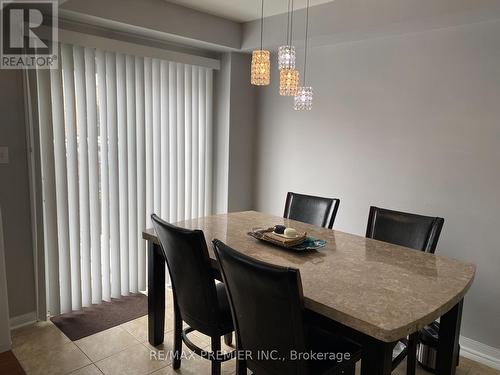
[(411, 358), (449, 333), (377, 355), (156, 294), (377, 359)]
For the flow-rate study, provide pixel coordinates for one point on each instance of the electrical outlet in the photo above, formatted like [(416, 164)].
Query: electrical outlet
[(4, 155)]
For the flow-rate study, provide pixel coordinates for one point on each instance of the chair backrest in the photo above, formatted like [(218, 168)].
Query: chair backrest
[(310, 209), (267, 306), (406, 229), (188, 263)]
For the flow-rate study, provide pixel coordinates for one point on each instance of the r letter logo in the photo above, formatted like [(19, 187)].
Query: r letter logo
[(29, 34)]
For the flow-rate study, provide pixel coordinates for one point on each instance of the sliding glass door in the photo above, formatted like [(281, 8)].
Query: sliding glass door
[(121, 137)]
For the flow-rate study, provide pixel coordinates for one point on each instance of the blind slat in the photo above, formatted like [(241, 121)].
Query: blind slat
[(62, 190), (83, 173), (164, 145), (114, 210), (104, 174), (121, 111), (156, 135), (148, 111), (194, 143), (132, 174), (208, 142), (51, 242), (95, 212), (72, 174), (201, 140), (180, 143), (172, 131), (141, 172), (187, 140)]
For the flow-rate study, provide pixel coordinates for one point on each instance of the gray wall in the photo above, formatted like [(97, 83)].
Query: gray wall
[(234, 134), (5, 341), (222, 103), (410, 123), (242, 129), (15, 197)]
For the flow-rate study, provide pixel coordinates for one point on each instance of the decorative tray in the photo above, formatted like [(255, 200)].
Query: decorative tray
[(303, 243)]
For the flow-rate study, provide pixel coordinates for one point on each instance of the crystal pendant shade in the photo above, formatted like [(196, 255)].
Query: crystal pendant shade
[(289, 82), (286, 57), (261, 68), (303, 99)]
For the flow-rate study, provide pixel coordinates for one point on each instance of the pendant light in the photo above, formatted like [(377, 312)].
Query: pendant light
[(303, 98), (289, 76), (260, 74), (286, 53), (289, 82)]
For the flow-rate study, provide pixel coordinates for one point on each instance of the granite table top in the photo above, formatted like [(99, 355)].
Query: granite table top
[(383, 290)]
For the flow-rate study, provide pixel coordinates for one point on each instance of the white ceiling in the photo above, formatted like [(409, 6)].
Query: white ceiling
[(243, 10)]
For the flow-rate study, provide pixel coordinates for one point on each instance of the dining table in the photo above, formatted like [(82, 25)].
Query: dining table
[(373, 292)]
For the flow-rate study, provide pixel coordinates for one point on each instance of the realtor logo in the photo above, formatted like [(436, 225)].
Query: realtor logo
[(29, 34)]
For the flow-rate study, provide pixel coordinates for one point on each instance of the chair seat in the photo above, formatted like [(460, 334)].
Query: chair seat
[(224, 317), (322, 341)]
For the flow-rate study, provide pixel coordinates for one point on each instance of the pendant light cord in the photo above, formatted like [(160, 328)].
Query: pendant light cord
[(287, 23), (261, 24), (291, 25), (305, 47)]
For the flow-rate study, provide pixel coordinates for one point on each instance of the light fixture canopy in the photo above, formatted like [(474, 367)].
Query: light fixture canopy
[(289, 82), (286, 57), (261, 68), (303, 99)]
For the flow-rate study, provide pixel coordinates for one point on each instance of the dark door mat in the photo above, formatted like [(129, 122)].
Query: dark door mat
[(9, 364), (90, 320)]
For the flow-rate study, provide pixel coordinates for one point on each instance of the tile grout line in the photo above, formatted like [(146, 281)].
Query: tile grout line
[(119, 351), (145, 344), (86, 356), (58, 347)]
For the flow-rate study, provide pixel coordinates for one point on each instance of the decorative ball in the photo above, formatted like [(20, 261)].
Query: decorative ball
[(280, 229), (290, 232)]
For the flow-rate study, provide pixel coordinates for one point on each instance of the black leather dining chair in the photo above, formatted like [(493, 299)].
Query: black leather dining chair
[(406, 229), (310, 209), (268, 313), (410, 230), (198, 299)]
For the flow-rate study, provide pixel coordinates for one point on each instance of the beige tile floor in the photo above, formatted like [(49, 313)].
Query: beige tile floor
[(42, 349)]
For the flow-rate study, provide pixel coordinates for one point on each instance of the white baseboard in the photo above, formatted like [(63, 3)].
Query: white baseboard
[(23, 320), (479, 352)]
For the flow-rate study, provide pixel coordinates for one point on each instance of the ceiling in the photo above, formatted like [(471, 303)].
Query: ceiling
[(243, 10)]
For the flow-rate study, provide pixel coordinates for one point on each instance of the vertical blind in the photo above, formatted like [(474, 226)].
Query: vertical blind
[(121, 137)]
